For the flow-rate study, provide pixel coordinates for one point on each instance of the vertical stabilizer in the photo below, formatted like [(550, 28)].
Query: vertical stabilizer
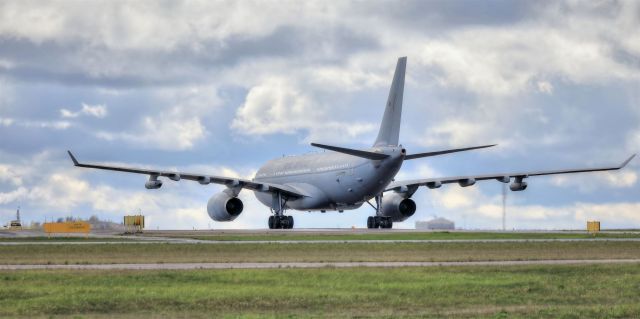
[(390, 126)]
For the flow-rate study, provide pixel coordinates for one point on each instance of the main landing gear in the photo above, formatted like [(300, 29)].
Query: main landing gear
[(378, 221), (279, 220)]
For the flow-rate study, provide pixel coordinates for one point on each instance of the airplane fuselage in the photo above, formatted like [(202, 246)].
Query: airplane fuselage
[(333, 181)]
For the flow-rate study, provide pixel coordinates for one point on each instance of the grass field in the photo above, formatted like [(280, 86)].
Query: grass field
[(345, 235), (312, 252), (493, 292)]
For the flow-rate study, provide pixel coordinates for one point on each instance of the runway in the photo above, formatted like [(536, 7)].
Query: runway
[(291, 265), (156, 240)]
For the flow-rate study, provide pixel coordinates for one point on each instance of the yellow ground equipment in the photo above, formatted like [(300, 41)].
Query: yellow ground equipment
[(593, 226), (67, 227), (133, 224)]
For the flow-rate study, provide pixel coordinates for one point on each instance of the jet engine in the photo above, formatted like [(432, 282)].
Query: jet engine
[(467, 182), (518, 186), (224, 208), (153, 184), (397, 207)]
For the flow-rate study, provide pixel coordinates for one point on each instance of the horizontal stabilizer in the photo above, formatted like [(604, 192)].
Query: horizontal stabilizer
[(358, 153), (420, 155)]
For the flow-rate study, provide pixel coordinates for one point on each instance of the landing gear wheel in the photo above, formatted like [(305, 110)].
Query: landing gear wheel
[(377, 221), (272, 222), (370, 222), (284, 222), (290, 219), (280, 222)]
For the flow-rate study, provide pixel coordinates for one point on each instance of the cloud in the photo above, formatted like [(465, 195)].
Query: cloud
[(98, 111), (12, 196), (175, 124), (279, 106), (56, 125), (485, 211), (545, 87), (164, 132), (6, 121), (498, 61), (593, 182), (8, 174)]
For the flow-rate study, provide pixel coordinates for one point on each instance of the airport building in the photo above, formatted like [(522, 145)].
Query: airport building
[(436, 224)]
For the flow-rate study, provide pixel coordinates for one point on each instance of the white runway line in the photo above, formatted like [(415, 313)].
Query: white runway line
[(193, 266)]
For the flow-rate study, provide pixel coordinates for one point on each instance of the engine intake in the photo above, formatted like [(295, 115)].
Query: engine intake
[(397, 207), (224, 208)]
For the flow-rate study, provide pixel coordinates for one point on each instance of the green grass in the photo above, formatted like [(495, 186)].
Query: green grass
[(314, 252), (345, 235), (492, 292)]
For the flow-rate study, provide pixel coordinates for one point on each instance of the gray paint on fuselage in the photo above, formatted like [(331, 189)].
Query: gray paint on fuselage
[(333, 180)]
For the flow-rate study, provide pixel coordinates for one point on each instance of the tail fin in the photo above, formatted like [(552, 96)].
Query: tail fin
[(390, 126)]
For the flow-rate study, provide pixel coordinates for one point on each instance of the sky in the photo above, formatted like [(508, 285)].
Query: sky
[(220, 87)]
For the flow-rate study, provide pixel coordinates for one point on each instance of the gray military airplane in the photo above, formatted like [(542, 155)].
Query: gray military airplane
[(342, 179)]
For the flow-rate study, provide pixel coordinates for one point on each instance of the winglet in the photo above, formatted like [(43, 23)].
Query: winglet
[(627, 161), (73, 158)]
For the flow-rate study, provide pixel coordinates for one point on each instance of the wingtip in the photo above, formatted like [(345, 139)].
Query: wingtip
[(73, 158), (627, 161)]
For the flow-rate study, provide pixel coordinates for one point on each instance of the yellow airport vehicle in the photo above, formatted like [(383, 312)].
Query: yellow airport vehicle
[(67, 227), (593, 226), (134, 224)]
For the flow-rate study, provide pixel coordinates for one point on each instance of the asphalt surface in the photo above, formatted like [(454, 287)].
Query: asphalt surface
[(191, 266), (158, 240)]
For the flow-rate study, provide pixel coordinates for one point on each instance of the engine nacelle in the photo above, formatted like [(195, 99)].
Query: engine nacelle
[(397, 207), (467, 182), (224, 208), (516, 187), (153, 184)]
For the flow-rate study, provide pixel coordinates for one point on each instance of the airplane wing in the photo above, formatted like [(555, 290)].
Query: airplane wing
[(411, 186), (203, 179)]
